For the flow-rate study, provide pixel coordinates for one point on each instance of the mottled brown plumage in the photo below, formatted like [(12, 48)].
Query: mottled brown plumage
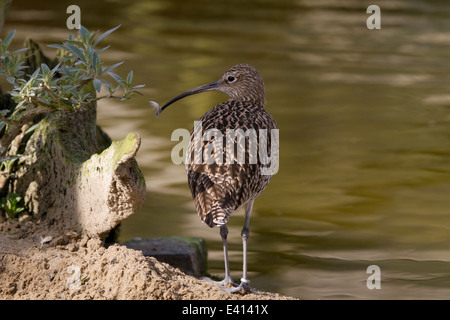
[(220, 188)]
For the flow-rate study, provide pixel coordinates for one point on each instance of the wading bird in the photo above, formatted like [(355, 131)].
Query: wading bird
[(220, 188)]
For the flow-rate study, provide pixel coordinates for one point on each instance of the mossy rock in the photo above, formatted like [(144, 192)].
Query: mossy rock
[(189, 254)]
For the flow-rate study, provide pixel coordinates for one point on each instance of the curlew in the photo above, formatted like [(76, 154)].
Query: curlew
[(221, 187)]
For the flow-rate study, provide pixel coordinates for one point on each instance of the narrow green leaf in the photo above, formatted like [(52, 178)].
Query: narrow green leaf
[(20, 104), (103, 49), (116, 77), (32, 128), (84, 34), (92, 37), (34, 75), (111, 67), (136, 92), (106, 82), (10, 79), (18, 51), (107, 33), (76, 43), (112, 91), (7, 158), (67, 71), (94, 60), (53, 71), (86, 96), (45, 69), (97, 85), (9, 38), (57, 46), (76, 51), (129, 78)]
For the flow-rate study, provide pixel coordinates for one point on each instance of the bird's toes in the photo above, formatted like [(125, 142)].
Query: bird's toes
[(243, 288), (227, 282)]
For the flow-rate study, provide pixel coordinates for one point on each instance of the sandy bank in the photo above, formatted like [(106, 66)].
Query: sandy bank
[(38, 261)]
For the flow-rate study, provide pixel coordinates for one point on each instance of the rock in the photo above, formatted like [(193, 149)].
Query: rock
[(25, 217), (189, 254), (62, 176), (44, 240), (94, 244)]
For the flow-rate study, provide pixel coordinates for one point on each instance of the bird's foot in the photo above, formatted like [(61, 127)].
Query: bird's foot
[(227, 282), (243, 288)]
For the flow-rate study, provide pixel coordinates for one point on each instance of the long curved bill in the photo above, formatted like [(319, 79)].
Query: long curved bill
[(204, 88)]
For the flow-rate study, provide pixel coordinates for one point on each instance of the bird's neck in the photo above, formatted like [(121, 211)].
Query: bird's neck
[(260, 102)]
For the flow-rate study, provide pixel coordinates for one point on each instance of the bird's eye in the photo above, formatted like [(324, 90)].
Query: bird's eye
[(231, 79)]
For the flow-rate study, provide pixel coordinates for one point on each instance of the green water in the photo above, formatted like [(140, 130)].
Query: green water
[(364, 119)]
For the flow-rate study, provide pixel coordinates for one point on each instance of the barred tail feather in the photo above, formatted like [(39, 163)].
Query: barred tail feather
[(217, 216)]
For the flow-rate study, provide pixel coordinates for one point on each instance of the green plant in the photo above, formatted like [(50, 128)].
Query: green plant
[(10, 205), (72, 83)]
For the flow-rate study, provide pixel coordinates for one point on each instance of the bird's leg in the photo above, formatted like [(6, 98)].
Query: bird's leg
[(227, 280), (245, 234), (245, 283), (224, 234)]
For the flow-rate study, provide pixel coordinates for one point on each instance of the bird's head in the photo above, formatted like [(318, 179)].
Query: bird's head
[(241, 82)]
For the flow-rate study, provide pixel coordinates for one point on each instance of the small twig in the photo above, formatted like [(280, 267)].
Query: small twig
[(106, 96), (36, 103), (50, 92)]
